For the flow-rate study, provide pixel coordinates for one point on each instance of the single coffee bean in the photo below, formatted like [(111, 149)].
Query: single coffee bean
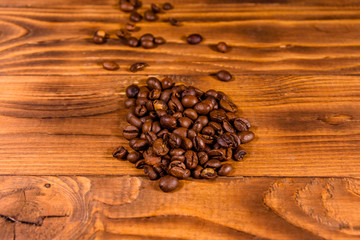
[(156, 127), (239, 154), (190, 113), (231, 116), (198, 143), (175, 104), (151, 137), (186, 143), (228, 140), (160, 148), (185, 122), (135, 121), (212, 163), (202, 108), (141, 101), (175, 140), (180, 158), (191, 134), (181, 131), (191, 159), (189, 101), (150, 16), (162, 133), (177, 152), (165, 162), (178, 89), (187, 173), (126, 6), (120, 153), (148, 170), (147, 44), (133, 42), (160, 105), (99, 40), (130, 132), (218, 115), (208, 173), (194, 38), (155, 8), (133, 157), (177, 169), (152, 159), (101, 33), (188, 91), (196, 173), (140, 164), (174, 22), (202, 157), (246, 136), (241, 124), (130, 26), (135, 16), (208, 139), (123, 34), (218, 154), (167, 83), (159, 40), (140, 110), (138, 144), (208, 131), (217, 127), (203, 120), (168, 122), (222, 47), (177, 115), (138, 66), (110, 65), (154, 94), (223, 75), (167, 6), (168, 183), (165, 95), (136, 3), (146, 127), (153, 83), (228, 154), (228, 106), (143, 92), (130, 102), (159, 169), (225, 169), (147, 37), (228, 127), (161, 113)]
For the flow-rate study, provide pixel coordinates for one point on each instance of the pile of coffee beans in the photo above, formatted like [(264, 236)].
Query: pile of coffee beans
[(179, 131)]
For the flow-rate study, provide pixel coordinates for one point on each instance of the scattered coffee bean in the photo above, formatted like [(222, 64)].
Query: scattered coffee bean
[(132, 91), (174, 21), (225, 169), (110, 65), (126, 6), (130, 132), (155, 8), (168, 183), (120, 153), (194, 39), (133, 42), (223, 75), (147, 44), (138, 66), (135, 17), (222, 47), (131, 27), (147, 37), (246, 136), (150, 16), (167, 6), (159, 40), (100, 37), (152, 174)]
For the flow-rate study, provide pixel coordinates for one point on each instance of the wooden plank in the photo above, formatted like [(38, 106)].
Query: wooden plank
[(240, 208), (271, 40), (305, 125)]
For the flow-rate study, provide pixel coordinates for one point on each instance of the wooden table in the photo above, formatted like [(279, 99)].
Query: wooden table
[(296, 67)]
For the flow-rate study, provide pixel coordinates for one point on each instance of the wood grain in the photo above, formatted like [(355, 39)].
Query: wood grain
[(240, 208)]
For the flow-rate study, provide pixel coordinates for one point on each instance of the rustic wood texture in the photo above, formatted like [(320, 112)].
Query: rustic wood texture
[(296, 67)]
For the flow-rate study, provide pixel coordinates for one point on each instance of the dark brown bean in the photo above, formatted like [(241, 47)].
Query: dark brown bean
[(120, 153), (152, 159), (198, 143), (191, 134), (189, 101), (149, 170), (241, 124), (212, 163), (208, 131), (181, 131), (175, 140), (130, 26), (228, 127), (223, 75), (190, 113), (191, 159), (133, 42), (140, 164), (130, 132), (168, 183), (154, 94), (180, 158), (147, 44), (246, 136), (231, 116), (177, 169), (203, 157), (196, 173), (135, 121), (218, 154), (168, 122), (140, 110), (186, 143), (138, 66), (153, 83), (176, 152), (218, 115), (167, 6), (239, 154), (130, 102), (228, 106), (225, 169), (222, 47), (160, 147), (123, 34), (159, 169), (167, 83), (150, 16), (185, 122), (150, 137), (202, 108), (133, 157), (126, 6), (208, 173), (99, 40), (155, 8), (174, 22), (146, 127), (159, 40), (135, 16), (138, 144), (194, 38), (110, 65)]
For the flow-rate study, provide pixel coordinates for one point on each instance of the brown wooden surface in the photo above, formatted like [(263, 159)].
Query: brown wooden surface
[(296, 66)]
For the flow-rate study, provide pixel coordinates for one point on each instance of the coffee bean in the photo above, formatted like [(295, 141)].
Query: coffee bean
[(165, 95), (191, 134), (141, 101), (223, 75), (177, 152), (196, 173), (167, 6), (140, 164), (110, 65), (189, 101), (185, 122), (246, 136), (228, 106), (188, 91), (138, 66), (225, 169), (160, 148), (101, 33), (168, 183), (177, 169), (135, 16), (202, 157), (229, 154), (231, 116), (140, 110), (208, 173), (153, 83), (194, 38), (161, 113), (241, 124), (212, 93), (152, 159), (239, 154), (222, 47), (162, 133), (138, 144), (130, 26), (159, 40), (130, 132), (154, 94), (175, 140), (174, 21), (130, 102), (186, 143), (177, 115), (99, 40), (167, 83), (133, 157), (151, 137), (190, 113), (175, 104), (212, 163), (228, 127), (218, 115), (180, 158), (133, 42), (216, 126), (148, 170), (202, 108), (208, 131), (181, 131), (123, 34), (126, 6), (168, 122), (150, 16), (135, 121), (120, 153), (147, 44), (160, 105), (159, 169), (218, 154), (146, 127), (203, 120), (135, 3), (198, 143), (155, 8), (191, 159)]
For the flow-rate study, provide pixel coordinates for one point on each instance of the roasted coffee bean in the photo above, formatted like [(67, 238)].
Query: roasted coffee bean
[(130, 132), (191, 134), (178, 89), (188, 91), (148, 170), (140, 164), (140, 110), (156, 127), (168, 122), (133, 42), (175, 140), (208, 173), (190, 113), (203, 120), (174, 21), (150, 137), (130, 26), (138, 66), (212, 163), (231, 116), (176, 152), (101, 33), (155, 8), (202, 157), (120, 153), (202, 108), (143, 136), (160, 105), (161, 113), (99, 40), (150, 16), (228, 154), (187, 174), (211, 93), (168, 183), (177, 169), (138, 144), (135, 121), (222, 47), (185, 122), (126, 6), (228, 127), (146, 127), (175, 104), (241, 124), (223, 75), (191, 159), (160, 147), (246, 136), (130, 113), (147, 37), (167, 6), (147, 44), (154, 94), (152, 159), (165, 162), (143, 92), (165, 95), (198, 143), (136, 3), (159, 40), (194, 38), (159, 169), (216, 126), (162, 133), (228, 140), (189, 101), (135, 16), (110, 65), (208, 139), (153, 83), (218, 115), (197, 127), (123, 34), (177, 115), (225, 169), (228, 106), (196, 173), (130, 102), (180, 158), (133, 157), (218, 154), (208, 131), (213, 102), (239, 154), (167, 83), (186, 143)]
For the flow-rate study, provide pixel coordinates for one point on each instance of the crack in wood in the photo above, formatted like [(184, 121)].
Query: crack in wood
[(39, 223)]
